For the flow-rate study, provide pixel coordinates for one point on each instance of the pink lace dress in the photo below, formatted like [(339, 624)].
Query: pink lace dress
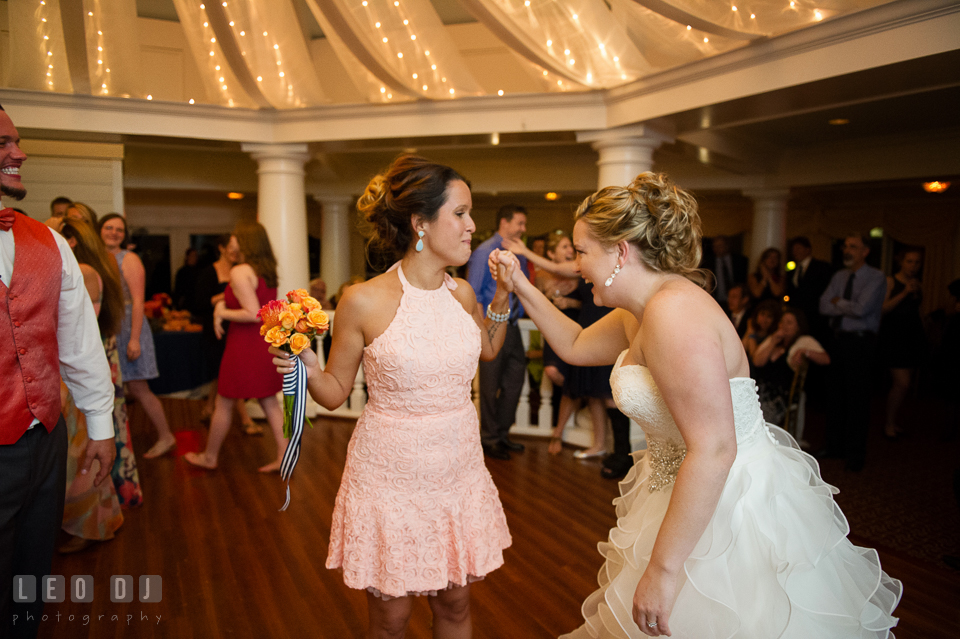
[(417, 510)]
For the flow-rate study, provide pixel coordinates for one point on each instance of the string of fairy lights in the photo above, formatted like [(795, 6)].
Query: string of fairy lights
[(395, 32), (101, 73), (46, 44), (590, 57)]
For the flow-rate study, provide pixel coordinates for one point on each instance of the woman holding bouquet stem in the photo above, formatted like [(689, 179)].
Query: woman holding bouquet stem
[(138, 360), (246, 370), (417, 512)]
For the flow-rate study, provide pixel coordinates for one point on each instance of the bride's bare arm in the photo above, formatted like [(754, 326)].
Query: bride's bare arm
[(330, 387), (686, 359), (563, 269), (597, 345)]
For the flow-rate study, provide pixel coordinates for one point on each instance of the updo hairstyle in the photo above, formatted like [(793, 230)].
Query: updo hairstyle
[(412, 185), (657, 217)]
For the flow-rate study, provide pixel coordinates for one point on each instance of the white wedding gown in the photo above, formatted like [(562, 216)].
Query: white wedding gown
[(774, 561)]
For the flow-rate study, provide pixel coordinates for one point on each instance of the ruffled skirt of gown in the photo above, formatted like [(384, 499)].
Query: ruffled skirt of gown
[(774, 561)]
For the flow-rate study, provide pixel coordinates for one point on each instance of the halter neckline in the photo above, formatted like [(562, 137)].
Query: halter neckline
[(448, 281)]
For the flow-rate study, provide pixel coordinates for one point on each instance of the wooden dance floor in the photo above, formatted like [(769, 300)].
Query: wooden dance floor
[(233, 566)]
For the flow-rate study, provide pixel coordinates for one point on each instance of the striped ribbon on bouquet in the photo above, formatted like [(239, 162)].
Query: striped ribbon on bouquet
[(295, 410)]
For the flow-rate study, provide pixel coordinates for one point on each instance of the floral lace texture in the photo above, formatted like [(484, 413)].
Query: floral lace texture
[(417, 510)]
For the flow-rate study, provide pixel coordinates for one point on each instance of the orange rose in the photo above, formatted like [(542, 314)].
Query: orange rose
[(264, 329), (318, 320), (288, 320), (303, 326), (276, 336), (310, 303), (298, 342), (296, 295), (297, 310)]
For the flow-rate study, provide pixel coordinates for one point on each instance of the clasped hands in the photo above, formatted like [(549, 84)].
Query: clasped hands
[(505, 268)]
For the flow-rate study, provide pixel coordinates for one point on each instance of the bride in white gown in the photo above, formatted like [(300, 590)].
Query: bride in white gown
[(725, 528)]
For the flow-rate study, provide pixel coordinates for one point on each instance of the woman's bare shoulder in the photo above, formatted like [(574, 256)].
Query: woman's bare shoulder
[(369, 295)]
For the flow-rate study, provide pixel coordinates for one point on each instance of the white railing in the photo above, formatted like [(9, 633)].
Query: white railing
[(578, 431)]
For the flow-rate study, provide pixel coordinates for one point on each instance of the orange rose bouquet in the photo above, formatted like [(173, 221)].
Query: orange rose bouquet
[(290, 326)]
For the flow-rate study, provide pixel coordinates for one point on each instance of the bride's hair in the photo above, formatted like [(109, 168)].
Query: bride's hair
[(656, 216), (411, 186)]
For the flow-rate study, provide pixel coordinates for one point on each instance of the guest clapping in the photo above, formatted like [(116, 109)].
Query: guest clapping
[(767, 281)]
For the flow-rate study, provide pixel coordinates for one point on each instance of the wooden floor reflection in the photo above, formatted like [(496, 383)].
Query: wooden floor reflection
[(233, 566)]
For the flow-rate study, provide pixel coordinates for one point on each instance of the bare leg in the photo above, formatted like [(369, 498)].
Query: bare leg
[(271, 407), (451, 613), (154, 410), (219, 427), (388, 619), (250, 427), (898, 391), (568, 406), (598, 416), (211, 404)]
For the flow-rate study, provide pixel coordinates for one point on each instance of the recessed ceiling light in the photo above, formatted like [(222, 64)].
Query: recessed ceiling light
[(839, 121), (551, 196), (235, 196)]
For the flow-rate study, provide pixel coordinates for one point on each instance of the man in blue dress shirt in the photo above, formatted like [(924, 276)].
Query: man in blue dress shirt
[(501, 380), (852, 304)]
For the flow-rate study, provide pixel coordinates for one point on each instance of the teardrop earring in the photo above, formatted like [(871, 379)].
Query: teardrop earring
[(419, 245), (616, 270)]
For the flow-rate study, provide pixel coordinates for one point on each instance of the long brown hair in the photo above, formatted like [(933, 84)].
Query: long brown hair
[(91, 251), (256, 250)]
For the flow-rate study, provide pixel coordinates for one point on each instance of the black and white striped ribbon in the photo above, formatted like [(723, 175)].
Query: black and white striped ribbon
[(295, 385)]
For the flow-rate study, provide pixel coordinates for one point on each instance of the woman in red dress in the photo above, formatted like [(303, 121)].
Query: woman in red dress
[(246, 370)]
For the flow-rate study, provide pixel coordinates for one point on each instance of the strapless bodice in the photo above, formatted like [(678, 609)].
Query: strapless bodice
[(638, 397)]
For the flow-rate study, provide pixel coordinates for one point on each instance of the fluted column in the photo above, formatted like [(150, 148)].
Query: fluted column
[(335, 239), (769, 221), (624, 152), (282, 209)]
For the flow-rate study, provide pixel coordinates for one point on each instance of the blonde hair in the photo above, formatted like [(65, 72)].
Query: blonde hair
[(656, 216)]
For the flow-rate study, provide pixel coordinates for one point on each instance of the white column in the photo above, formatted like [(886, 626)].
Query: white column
[(625, 152), (282, 209), (335, 239), (769, 221)]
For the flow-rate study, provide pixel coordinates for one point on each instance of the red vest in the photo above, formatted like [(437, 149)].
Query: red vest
[(29, 355)]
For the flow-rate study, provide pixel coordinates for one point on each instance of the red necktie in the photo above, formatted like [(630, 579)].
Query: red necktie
[(6, 219)]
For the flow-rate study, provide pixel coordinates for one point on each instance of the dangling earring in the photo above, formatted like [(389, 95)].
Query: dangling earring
[(419, 246), (616, 270)]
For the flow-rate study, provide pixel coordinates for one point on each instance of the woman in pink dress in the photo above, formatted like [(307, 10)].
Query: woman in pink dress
[(417, 512), (246, 370)]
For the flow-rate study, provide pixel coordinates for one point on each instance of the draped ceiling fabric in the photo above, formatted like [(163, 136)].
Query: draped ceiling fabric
[(254, 53), (250, 53), (403, 44), (579, 41), (75, 46)]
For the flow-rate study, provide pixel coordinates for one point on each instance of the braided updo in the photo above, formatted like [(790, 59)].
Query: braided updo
[(654, 215), (412, 185)]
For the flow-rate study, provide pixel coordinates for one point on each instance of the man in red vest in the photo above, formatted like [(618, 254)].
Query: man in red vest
[(47, 329)]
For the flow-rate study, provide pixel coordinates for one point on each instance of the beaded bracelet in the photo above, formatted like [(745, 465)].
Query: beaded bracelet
[(498, 318)]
